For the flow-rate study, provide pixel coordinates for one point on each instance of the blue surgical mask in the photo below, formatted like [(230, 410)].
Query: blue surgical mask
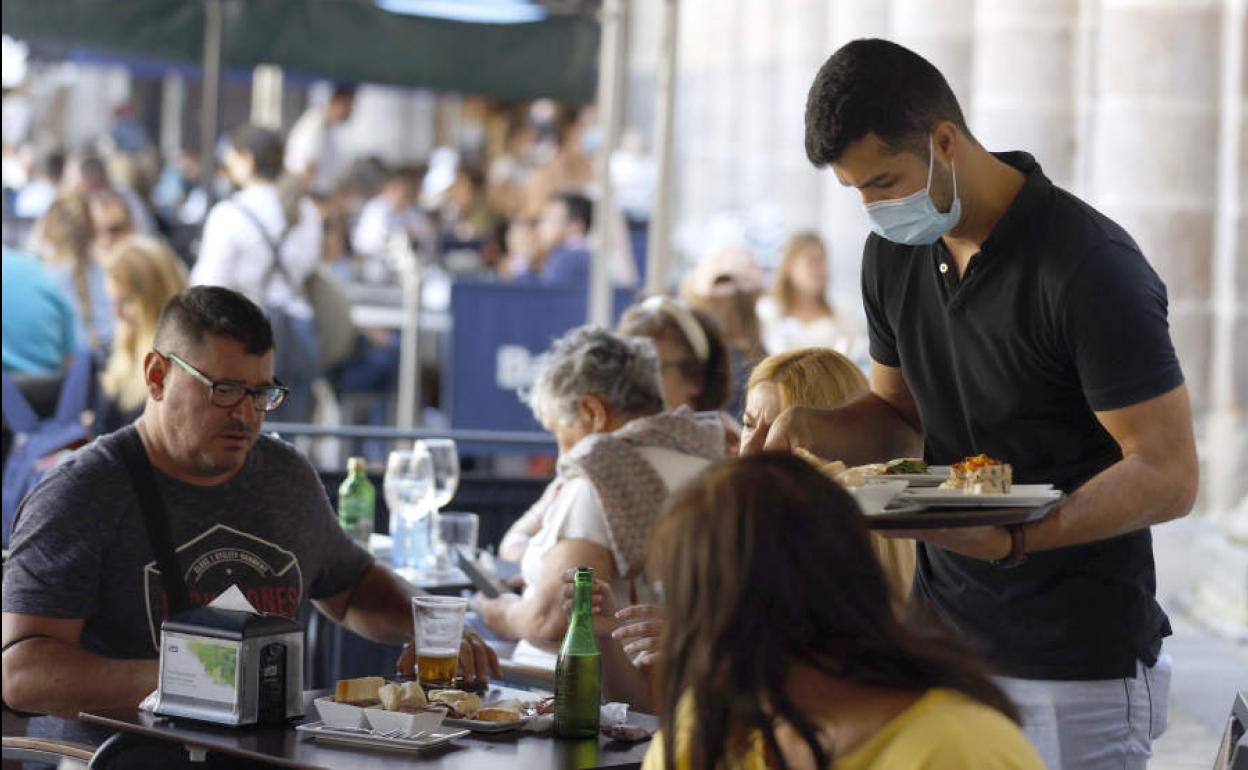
[(914, 220)]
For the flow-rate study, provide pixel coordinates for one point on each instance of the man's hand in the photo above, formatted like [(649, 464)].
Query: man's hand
[(642, 625), (984, 543), (602, 603), (478, 662)]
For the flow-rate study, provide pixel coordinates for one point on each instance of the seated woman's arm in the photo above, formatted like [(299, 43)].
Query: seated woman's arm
[(518, 535), (539, 615)]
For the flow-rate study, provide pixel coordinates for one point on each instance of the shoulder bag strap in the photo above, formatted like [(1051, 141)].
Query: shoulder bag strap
[(143, 478)]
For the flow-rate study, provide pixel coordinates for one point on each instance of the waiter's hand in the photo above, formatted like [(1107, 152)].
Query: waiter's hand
[(795, 427), (477, 660), (985, 543)]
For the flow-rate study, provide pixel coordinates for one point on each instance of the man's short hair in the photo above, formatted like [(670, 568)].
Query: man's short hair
[(94, 174), (876, 87), (53, 165), (202, 311), (263, 145), (580, 208), (343, 91)]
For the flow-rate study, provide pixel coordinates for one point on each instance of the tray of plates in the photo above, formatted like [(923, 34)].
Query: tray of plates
[(904, 514)]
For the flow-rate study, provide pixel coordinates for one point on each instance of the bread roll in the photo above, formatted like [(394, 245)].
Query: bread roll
[(499, 711), (363, 689), (465, 703)]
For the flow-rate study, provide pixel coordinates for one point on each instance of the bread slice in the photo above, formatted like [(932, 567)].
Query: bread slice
[(363, 689), (499, 711), (396, 696), (465, 703)]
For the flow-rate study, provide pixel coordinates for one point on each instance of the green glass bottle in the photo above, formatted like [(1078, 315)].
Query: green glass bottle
[(578, 674), (356, 502)]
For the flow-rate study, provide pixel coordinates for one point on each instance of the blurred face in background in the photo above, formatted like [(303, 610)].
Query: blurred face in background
[(110, 221), (810, 271), (521, 238), (552, 227), (340, 108)]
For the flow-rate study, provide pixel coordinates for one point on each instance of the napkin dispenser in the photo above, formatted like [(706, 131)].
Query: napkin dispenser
[(230, 667)]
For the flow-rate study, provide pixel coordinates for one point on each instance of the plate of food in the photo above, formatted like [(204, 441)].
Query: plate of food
[(911, 470), (501, 709), (981, 481)]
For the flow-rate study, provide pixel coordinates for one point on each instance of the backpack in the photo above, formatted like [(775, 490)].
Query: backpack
[(39, 444)]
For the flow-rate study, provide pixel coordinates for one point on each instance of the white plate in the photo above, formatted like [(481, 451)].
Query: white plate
[(935, 476), (493, 695), (1020, 496), (873, 498), (365, 738), (384, 721)]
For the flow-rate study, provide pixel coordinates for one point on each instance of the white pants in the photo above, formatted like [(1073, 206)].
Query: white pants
[(1103, 724)]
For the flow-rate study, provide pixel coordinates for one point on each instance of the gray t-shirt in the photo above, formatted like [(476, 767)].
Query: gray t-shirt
[(80, 550)]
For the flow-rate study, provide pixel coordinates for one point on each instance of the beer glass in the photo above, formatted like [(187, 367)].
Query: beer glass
[(439, 622)]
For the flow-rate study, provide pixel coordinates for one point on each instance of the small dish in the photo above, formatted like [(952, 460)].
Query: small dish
[(383, 721), (337, 714), (873, 498)]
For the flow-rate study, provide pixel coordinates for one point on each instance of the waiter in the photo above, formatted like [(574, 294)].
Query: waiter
[(1008, 317)]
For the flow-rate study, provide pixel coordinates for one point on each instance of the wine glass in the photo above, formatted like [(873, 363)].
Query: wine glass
[(444, 455), (408, 487)]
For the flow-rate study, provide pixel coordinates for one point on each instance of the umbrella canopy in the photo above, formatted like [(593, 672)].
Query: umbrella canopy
[(353, 40)]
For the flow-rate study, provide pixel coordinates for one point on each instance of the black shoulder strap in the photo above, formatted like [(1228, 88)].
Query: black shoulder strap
[(275, 246), (143, 478)]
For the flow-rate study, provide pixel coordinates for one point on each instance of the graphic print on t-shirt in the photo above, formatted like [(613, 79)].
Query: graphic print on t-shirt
[(267, 574)]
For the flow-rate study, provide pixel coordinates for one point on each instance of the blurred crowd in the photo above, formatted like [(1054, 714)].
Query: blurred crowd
[(97, 240)]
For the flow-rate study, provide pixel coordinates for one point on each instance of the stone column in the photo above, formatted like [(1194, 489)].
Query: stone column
[(1022, 77), (1221, 589)]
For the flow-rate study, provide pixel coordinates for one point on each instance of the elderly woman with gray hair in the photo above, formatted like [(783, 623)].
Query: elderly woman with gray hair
[(619, 456)]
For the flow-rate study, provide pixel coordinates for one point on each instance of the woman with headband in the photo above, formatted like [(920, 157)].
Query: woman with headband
[(692, 356)]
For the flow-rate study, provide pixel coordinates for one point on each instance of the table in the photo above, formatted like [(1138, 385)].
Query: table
[(283, 747)]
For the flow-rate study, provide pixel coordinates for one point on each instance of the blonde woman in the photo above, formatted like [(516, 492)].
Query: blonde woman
[(63, 237), (140, 274), (796, 313), (823, 378)]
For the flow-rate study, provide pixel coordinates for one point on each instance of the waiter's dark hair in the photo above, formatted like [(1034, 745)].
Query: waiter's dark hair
[(202, 311), (265, 147), (876, 87)]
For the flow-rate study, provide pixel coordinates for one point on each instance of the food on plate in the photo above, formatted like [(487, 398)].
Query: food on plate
[(463, 705), (835, 470), (500, 711), (980, 475), (906, 466), (626, 732), (359, 692), (544, 706), (401, 697)]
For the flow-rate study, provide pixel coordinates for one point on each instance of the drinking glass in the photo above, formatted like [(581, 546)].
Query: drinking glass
[(439, 626), (444, 457), (451, 529), (408, 487)]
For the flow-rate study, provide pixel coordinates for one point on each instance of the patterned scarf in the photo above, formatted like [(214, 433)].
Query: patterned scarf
[(630, 490)]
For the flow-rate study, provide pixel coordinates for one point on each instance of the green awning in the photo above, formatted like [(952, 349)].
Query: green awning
[(352, 40)]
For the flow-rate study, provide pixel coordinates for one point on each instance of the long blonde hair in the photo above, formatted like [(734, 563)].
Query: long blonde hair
[(784, 292), (147, 272), (66, 231), (819, 377)]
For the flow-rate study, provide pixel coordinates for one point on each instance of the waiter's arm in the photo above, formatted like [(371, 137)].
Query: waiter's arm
[(1155, 481), (876, 426)]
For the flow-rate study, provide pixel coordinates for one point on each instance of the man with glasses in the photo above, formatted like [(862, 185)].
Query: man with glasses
[(83, 596)]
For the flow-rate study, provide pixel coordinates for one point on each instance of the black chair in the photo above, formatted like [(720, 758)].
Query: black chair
[(1233, 751)]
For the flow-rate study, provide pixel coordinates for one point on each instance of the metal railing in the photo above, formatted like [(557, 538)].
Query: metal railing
[(495, 437)]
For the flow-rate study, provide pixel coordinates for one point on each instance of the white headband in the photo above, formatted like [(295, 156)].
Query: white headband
[(689, 326)]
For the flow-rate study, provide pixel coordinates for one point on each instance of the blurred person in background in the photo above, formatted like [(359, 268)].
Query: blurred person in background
[(570, 169), (141, 274), (39, 327), (563, 237), (110, 221), (65, 236), (822, 378), (467, 223), (264, 242), (391, 212), (725, 285), (92, 177), (791, 657), (693, 359), (35, 197), (521, 249), (620, 454), (314, 152), (796, 313), (510, 169)]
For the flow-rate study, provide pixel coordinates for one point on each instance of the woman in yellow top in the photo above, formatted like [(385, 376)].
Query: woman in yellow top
[(786, 654), (822, 377)]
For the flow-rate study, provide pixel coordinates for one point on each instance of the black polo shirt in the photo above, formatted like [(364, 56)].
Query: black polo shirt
[(1059, 315)]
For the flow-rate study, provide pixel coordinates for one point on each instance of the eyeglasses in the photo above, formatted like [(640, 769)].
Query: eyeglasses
[(228, 395)]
